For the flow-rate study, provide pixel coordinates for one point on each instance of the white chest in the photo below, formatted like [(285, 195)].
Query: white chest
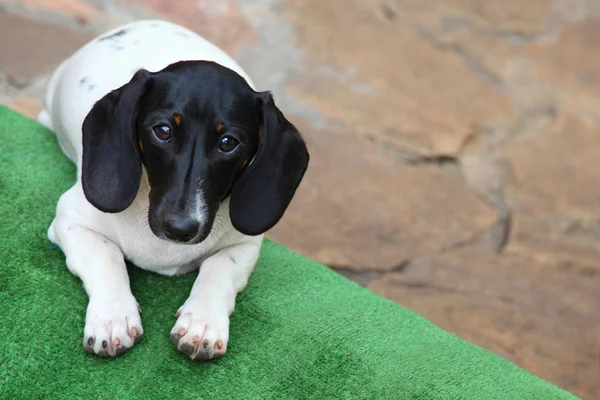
[(147, 251)]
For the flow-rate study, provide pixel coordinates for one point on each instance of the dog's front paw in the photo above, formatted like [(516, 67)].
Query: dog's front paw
[(201, 330), (112, 326)]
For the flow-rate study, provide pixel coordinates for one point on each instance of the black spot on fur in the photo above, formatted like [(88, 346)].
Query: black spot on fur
[(83, 80), (232, 260), (114, 35), (90, 88)]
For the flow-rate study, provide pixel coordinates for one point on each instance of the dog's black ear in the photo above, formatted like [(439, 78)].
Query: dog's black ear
[(264, 190), (111, 163)]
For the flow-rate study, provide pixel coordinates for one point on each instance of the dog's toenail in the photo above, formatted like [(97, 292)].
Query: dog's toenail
[(196, 339), (219, 344), (121, 350), (139, 308), (117, 342), (137, 339), (177, 314), (181, 331), (175, 338), (205, 344), (104, 344), (90, 341), (187, 349), (134, 332), (103, 353)]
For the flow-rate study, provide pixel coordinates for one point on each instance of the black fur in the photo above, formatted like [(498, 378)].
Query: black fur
[(111, 164), (260, 177), (264, 191)]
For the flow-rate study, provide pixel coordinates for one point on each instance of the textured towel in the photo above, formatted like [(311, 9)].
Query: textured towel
[(300, 331)]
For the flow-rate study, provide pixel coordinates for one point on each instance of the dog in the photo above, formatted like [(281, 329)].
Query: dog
[(181, 165)]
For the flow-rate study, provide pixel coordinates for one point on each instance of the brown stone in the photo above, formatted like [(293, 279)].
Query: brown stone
[(388, 81), (75, 9), (555, 179), (361, 206), (506, 20), (570, 63), (554, 195), (27, 106), (524, 310), (504, 17), (547, 49), (221, 22), (34, 47)]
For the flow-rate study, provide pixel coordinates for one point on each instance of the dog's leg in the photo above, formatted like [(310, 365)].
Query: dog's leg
[(202, 327), (113, 322)]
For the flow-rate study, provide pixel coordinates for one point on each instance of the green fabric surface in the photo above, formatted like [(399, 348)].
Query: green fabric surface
[(300, 331)]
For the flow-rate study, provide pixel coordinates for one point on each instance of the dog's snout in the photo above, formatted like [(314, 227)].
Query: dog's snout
[(180, 228)]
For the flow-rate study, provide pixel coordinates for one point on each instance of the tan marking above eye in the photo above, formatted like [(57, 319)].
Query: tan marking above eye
[(141, 145), (245, 163), (219, 127), (177, 119)]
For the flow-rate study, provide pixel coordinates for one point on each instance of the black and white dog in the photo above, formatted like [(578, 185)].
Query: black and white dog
[(181, 165)]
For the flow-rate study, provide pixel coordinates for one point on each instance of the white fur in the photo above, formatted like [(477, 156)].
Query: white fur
[(95, 243), (200, 211)]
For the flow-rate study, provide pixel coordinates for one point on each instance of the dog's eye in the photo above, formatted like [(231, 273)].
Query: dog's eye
[(228, 144), (162, 132)]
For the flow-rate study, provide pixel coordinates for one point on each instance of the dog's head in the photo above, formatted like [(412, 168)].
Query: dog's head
[(202, 134)]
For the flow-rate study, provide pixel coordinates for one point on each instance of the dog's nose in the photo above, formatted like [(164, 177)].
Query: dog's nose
[(180, 228)]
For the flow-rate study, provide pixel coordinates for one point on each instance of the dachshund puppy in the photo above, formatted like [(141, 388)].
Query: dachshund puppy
[(181, 165)]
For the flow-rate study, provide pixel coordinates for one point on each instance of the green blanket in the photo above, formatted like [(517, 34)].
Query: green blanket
[(300, 331)]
